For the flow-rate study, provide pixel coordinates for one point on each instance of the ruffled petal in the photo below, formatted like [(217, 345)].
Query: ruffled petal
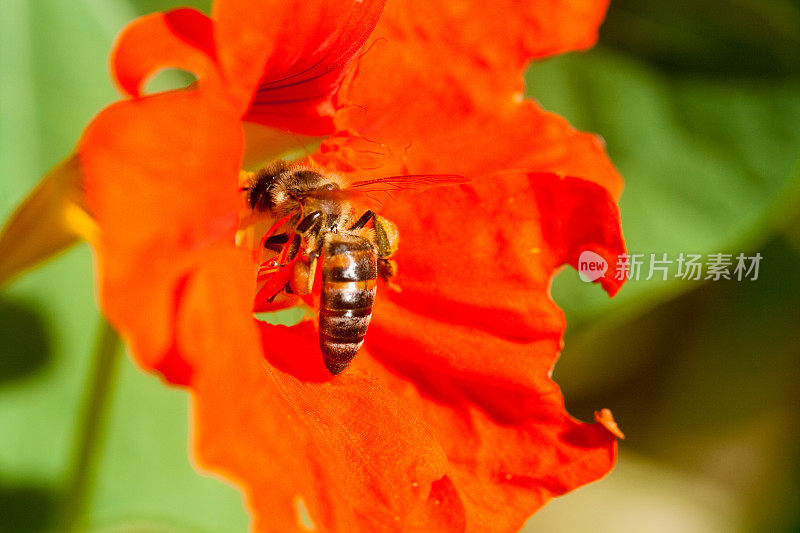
[(482, 255), (477, 334), (161, 180), (293, 53), (441, 91), (478, 259), (181, 39), (346, 447), (503, 471)]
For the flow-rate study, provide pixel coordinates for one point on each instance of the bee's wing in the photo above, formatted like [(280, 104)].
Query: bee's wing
[(408, 182), (335, 194), (371, 192)]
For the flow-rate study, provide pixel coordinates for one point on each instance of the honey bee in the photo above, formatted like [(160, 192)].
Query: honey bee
[(319, 220)]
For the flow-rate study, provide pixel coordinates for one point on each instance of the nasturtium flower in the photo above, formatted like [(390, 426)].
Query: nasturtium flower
[(448, 419)]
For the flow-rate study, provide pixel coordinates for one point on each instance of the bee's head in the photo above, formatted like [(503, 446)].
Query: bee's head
[(260, 190)]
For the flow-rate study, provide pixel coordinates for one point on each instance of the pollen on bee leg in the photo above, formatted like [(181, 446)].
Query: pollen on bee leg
[(387, 269), (302, 279)]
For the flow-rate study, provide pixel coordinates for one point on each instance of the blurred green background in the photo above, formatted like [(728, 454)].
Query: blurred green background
[(699, 104)]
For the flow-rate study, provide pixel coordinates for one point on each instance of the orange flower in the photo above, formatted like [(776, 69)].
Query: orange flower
[(448, 419)]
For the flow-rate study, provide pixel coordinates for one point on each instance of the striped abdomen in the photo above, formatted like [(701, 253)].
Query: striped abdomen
[(349, 273)]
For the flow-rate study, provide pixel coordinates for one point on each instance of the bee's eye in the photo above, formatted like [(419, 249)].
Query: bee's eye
[(330, 186), (258, 192)]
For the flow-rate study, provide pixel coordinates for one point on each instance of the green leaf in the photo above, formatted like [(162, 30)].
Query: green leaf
[(717, 37), (145, 472), (53, 80), (706, 161), (698, 101), (705, 384)]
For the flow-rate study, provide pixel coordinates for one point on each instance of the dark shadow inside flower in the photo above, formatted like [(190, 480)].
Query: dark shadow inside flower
[(309, 65), (322, 67)]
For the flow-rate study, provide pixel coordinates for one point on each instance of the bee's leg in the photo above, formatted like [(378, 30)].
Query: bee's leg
[(290, 250), (299, 282), (306, 225), (304, 274), (386, 237), (386, 241), (275, 243), (310, 220), (363, 221), (387, 269), (305, 268), (272, 298), (309, 230), (313, 258), (306, 238)]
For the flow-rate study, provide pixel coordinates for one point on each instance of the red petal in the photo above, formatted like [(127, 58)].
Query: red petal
[(580, 216), (442, 88), (478, 260), (503, 471), (181, 39), (295, 52), (474, 434), (161, 180), (477, 334), (355, 456), (508, 233)]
